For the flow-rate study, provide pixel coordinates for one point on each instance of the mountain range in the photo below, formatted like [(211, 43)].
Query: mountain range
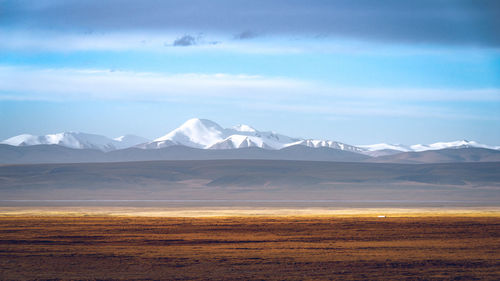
[(77, 140), (205, 139)]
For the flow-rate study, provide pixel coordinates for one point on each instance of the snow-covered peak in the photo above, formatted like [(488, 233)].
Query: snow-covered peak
[(424, 147), (244, 128), (67, 139), (23, 139), (197, 123), (202, 133), (451, 144), (195, 133)]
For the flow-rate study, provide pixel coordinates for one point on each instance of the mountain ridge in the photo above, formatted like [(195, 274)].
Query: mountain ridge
[(206, 134)]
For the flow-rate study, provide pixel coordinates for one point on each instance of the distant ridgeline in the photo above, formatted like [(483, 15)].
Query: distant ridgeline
[(201, 139)]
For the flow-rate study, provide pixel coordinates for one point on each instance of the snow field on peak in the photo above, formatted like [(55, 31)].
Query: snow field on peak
[(198, 133)]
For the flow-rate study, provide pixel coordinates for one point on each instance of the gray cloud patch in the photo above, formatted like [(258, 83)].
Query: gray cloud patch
[(470, 22), (186, 40), (245, 35)]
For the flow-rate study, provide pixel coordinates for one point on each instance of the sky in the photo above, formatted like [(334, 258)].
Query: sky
[(359, 72)]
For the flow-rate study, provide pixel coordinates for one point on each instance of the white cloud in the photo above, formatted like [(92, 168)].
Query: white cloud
[(83, 84), (242, 91)]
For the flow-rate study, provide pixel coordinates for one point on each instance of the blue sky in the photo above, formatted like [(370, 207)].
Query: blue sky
[(400, 72)]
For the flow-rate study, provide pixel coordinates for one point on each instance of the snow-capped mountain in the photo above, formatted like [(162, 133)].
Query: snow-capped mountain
[(452, 144), (423, 147), (67, 139), (76, 140), (198, 133), (206, 134), (272, 140)]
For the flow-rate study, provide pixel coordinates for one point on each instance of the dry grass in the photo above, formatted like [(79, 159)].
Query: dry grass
[(201, 211), (249, 248)]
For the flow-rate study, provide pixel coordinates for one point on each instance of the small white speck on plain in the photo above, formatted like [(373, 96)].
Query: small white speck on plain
[(381, 216)]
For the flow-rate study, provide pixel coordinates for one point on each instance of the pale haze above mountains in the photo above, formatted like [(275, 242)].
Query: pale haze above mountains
[(206, 134)]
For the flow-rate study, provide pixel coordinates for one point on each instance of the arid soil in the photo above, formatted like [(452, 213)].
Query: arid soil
[(250, 248)]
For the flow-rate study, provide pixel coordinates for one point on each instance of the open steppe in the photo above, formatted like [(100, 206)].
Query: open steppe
[(425, 247), (477, 183), (250, 220)]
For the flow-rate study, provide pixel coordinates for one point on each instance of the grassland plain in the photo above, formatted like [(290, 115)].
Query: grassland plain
[(310, 247)]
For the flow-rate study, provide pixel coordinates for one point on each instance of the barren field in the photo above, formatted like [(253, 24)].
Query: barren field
[(249, 248)]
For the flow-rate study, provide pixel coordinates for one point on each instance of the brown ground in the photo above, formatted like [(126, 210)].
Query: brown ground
[(248, 248)]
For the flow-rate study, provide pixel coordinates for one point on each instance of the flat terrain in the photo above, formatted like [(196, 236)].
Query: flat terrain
[(250, 248), (254, 180)]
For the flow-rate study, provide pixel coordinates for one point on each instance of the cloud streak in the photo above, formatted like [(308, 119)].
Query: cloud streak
[(27, 40), (244, 91), (459, 22), (95, 84)]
